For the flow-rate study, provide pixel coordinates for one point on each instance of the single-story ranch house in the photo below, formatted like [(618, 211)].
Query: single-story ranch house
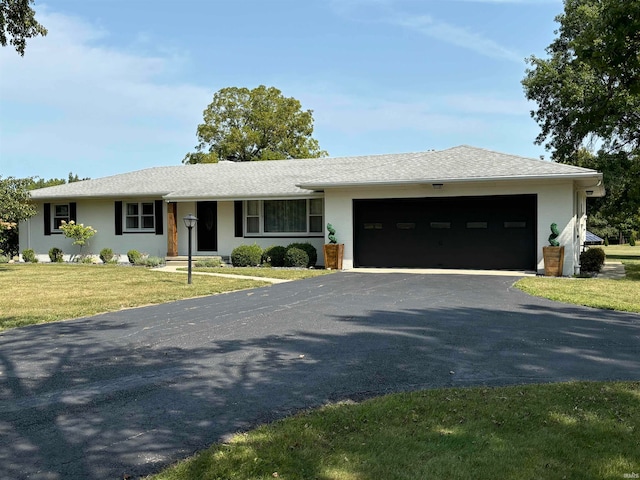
[(463, 207)]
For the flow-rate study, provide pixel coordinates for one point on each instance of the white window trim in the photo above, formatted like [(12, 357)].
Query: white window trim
[(260, 216), (140, 216)]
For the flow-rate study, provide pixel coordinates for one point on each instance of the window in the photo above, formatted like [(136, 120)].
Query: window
[(270, 217), (140, 216), (60, 213)]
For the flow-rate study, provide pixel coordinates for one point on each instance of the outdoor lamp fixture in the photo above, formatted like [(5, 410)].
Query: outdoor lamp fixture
[(589, 192), (437, 186), (190, 222)]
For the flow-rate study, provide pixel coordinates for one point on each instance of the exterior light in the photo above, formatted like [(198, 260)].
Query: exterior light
[(589, 192), (190, 221), (437, 186)]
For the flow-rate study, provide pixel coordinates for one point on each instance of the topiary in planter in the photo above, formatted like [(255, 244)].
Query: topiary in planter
[(296, 257), (274, 256), (246, 256), (309, 249), (592, 260)]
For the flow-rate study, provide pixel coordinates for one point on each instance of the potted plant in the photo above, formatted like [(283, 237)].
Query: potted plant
[(553, 255), (333, 251)]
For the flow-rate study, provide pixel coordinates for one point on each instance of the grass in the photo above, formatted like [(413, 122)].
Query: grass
[(40, 293), (558, 431), (623, 294), (266, 272)]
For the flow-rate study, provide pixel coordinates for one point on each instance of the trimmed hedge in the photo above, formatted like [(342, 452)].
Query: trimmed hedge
[(309, 249), (246, 256), (274, 256), (56, 255), (296, 257), (592, 260)]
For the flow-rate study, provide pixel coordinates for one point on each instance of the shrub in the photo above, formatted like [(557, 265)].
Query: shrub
[(606, 241), (246, 255), (592, 260), (274, 256), (106, 255), (4, 258), (150, 261), (29, 256), (309, 249), (134, 256), (209, 262), (296, 257), (56, 255), (632, 239), (78, 232)]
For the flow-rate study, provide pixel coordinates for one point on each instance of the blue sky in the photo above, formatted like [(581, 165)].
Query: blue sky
[(120, 85)]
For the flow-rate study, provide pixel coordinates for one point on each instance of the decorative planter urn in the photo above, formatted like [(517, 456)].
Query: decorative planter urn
[(333, 253), (553, 261)]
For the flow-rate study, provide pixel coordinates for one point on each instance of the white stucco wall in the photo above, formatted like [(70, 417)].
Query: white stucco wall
[(555, 204), (100, 215)]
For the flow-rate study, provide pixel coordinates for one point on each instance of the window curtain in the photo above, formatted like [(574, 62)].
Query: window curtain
[(285, 216)]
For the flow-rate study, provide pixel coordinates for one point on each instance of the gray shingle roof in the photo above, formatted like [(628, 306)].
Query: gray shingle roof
[(284, 178)]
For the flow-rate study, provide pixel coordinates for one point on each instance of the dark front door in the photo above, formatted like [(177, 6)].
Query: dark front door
[(490, 232), (207, 227)]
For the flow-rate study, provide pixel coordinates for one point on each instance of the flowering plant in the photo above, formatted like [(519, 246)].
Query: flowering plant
[(78, 232)]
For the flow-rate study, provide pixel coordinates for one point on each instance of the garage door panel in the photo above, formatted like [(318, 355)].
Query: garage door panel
[(461, 232)]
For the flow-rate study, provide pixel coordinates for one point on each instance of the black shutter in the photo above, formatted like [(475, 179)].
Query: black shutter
[(118, 218), (159, 216), (73, 217), (238, 215), (47, 219)]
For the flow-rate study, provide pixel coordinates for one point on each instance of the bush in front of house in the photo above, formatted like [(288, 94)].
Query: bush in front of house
[(150, 261), (29, 255), (134, 256), (4, 258), (209, 262), (56, 255), (296, 257), (274, 256), (309, 249), (592, 260), (106, 255), (246, 256)]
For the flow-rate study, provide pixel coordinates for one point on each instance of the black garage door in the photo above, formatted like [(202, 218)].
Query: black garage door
[(491, 232)]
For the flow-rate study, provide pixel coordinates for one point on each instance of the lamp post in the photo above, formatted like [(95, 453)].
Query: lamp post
[(190, 222)]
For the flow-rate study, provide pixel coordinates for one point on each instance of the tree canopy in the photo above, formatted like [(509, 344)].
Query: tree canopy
[(588, 99), (17, 23), (242, 125)]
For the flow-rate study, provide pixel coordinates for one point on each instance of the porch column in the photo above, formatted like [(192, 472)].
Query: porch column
[(172, 229)]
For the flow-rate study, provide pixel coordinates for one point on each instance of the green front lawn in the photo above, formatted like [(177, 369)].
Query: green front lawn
[(559, 431), (40, 293), (623, 294)]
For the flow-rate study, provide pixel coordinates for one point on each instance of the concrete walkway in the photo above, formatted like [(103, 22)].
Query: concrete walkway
[(174, 268), (612, 270)]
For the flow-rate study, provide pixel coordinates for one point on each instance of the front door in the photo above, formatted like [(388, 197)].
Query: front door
[(207, 227)]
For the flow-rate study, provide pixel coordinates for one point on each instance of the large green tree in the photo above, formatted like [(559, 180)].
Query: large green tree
[(242, 125), (17, 23), (15, 206), (588, 97)]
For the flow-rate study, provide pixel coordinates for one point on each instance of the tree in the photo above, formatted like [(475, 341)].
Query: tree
[(242, 125), (15, 206), (588, 96), (17, 23)]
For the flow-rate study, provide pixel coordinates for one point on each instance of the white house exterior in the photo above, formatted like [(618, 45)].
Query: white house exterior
[(458, 208)]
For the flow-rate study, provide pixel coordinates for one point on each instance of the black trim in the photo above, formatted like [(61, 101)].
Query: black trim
[(73, 212), (158, 212), (118, 217), (47, 219), (238, 215)]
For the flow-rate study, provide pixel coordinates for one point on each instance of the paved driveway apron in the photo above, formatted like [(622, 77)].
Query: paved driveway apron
[(127, 393)]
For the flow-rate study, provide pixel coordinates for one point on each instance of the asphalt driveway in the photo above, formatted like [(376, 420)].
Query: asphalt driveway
[(127, 393)]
